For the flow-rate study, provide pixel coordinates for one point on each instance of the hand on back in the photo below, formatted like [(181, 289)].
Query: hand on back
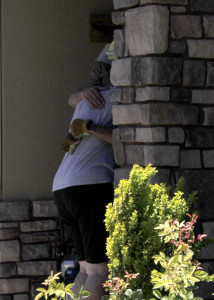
[(93, 97)]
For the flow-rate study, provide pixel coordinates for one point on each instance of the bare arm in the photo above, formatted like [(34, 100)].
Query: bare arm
[(90, 95), (102, 133)]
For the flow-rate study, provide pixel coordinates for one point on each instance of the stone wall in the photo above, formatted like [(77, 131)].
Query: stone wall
[(29, 239), (165, 96)]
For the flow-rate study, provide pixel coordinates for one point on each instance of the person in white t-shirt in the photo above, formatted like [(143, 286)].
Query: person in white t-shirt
[(83, 184)]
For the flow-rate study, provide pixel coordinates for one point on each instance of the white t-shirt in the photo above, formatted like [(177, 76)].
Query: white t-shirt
[(92, 161)]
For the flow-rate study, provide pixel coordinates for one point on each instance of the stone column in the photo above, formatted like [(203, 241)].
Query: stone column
[(165, 96)]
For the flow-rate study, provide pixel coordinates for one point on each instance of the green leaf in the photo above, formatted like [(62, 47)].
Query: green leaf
[(137, 294), (165, 298), (69, 286), (85, 294), (40, 295), (163, 264), (128, 292), (72, 295), (157, 294), (162, 254), (41, 290), (158, 285), (194, 279), (191, 271), (80, 289), (190, 295), (200, 274)]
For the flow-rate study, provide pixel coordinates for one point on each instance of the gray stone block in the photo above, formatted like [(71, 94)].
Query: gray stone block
[(37, 268), (7, 270), (180, 94), (128, 95), (200, 138), (116, 95), (205, 290), (146, 30), (208, 23), (125, 114), (194, 73), (178, 9), (119, 154), (9, 251), (151, 135), (186, 26), (45, 209), (171, 2), (37, 237), (177, 47), (119, 174), (201, 48), (152, 93), (201, 181), (118, 17), (121, 72), (210, 74), (9, 233), (135, 154), (202, 5), (190, 159), (21, 297), (163, 176), (208, 116), (208, 156), (125, 3), (176, 135), (9, 225), (157, 70), (119, 42), (32, 252), (42, 225), (155, 114), (127, 135), (208, 229), (208, 267), (161, 155), (5, 297), (207, 252), (12, 286), (203, 96), (14, 211)]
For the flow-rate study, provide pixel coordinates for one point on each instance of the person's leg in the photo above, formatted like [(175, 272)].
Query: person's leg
[(63, 199), (97, 274), (91, 215), (80, 278)]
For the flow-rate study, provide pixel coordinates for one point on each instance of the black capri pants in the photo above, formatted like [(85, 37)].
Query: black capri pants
[(83, 209)]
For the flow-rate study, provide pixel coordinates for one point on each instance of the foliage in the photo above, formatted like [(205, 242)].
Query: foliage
[(180, 272), (118, 288), (137, 209), (58, 291)]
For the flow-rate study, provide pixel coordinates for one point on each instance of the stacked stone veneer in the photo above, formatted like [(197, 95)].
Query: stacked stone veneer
[(29, 238), (165, 96)]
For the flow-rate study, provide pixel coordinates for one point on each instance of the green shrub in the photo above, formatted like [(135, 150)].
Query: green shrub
[(138, 208), (180, 273)]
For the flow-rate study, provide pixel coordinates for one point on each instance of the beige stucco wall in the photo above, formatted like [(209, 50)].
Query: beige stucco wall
[(46, 54)]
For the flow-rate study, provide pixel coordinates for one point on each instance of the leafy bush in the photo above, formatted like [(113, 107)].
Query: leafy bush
[(58, 291), (180, 273), (119, 288), (138, 208)]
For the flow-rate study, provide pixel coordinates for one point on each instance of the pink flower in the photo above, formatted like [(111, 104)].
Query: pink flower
[(201, 236)]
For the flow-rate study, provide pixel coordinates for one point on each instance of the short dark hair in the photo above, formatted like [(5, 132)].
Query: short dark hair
[(99, 71)]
